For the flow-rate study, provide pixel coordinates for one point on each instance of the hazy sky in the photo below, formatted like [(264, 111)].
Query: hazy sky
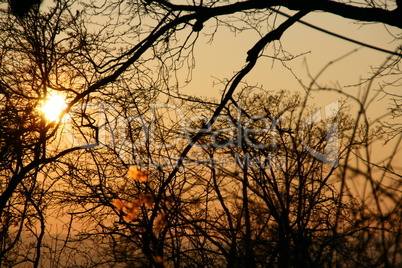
[(227, 55)]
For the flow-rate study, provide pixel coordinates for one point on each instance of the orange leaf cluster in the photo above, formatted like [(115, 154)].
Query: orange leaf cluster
[(136, 174), (160, 260), (130, 210), (169, 202), (118, 204), (146, 199), (160, 223)]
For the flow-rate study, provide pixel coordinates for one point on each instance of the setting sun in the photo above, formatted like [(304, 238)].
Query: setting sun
[(53, 107)]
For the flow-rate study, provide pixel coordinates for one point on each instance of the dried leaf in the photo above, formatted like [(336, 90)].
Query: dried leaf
[(160, 223), (146, 199), (132, 207), (130, 210), (159, 259), (118, 204), (132, 216), (169, 201), (136, 174)]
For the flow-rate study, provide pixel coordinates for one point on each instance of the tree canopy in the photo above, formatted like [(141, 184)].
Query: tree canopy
[(139, 169)]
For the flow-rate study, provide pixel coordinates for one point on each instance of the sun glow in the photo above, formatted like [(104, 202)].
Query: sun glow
[(53, 107)]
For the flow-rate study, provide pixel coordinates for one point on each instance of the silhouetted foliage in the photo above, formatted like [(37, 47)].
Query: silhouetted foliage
[(134, 173), (21, 7)]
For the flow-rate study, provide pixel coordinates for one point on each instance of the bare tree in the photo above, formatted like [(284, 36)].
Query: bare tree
[(38, 60), (247, 180)]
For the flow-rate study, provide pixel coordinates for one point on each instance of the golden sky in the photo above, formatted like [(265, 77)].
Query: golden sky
[(227, 54)]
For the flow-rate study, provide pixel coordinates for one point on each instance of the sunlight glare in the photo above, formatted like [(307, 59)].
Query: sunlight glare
[(53, 107)]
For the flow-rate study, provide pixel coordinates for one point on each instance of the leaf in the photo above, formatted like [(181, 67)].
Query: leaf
[(131, 216), (135, 174), (146, 199), (118, 204), (160, 223), (131, 209)]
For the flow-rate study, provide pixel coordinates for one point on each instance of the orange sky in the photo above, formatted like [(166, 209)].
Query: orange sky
[(228, 53)]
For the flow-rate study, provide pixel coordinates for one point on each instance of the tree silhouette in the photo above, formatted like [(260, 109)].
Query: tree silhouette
[(21, 7), (140, 174)]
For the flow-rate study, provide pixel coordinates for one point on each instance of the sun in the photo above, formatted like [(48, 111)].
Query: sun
[(53, 106)]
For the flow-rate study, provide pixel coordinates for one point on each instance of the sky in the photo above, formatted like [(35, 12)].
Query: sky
[(227, 53)]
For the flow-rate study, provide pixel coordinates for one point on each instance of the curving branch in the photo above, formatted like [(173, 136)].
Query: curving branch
[(349, 11), (18, 177)]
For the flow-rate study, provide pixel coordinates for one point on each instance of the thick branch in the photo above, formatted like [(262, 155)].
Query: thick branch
[(252, 60), (364, 14), (17, 178)]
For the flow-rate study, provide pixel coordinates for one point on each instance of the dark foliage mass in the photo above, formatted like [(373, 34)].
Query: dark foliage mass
[(21, 7)]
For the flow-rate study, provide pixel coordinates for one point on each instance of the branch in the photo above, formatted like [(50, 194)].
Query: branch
[(365, 14), (252, 60), (341, 36), (17, 178), (273, 35)]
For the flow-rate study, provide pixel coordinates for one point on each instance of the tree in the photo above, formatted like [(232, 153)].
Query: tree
[(21, 7), (181, 208), (34, 63)]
